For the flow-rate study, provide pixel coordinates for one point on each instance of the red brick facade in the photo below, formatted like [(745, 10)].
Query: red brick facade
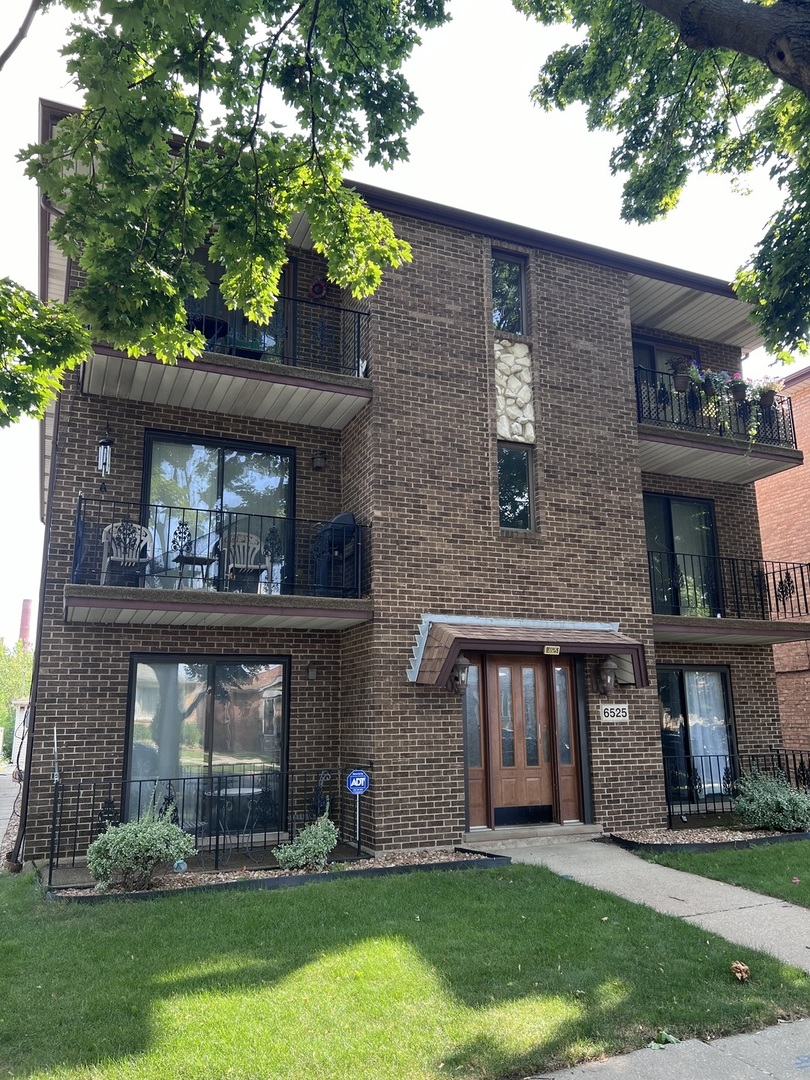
[(418, 464), (782, 501)]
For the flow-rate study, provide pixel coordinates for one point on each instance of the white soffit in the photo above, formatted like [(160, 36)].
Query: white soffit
[(667, 306)]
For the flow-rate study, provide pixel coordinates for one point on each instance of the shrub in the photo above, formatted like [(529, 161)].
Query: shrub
[(128, 854), (311, 848), (771, 803)]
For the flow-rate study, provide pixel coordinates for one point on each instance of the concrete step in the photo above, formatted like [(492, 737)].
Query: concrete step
[(524, 835)]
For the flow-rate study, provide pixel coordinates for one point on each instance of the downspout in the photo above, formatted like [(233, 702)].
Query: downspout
[(13, 856)]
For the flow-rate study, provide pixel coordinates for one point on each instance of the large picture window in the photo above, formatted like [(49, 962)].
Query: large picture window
[(196, 716)]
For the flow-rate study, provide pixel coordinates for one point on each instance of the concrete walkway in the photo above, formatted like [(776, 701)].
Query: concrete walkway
[(744, 917)]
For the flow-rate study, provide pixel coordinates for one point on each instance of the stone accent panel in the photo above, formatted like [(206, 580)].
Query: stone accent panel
[(514, 391)]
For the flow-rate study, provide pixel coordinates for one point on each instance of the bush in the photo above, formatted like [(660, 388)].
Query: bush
[(771, 803), (311, 848), (128, 854)]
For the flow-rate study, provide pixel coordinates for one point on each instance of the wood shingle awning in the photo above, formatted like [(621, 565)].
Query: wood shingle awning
[(440, 641)]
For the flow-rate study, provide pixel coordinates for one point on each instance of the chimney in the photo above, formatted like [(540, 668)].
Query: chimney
[(25, 624)]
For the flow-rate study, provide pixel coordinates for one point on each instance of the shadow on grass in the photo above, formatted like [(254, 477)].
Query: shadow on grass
[(486, 974)]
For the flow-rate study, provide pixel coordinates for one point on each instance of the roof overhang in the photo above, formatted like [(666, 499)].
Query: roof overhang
[(440, 639), (662, 297), (690, 630)]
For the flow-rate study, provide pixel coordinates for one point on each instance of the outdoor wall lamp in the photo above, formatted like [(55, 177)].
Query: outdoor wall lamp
[(105, 446), (319, 460), (459, 674), (606, 677)]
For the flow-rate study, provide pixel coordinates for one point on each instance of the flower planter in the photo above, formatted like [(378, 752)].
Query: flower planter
[(738, 392), (708, 388), (767, 398), (681, 381)]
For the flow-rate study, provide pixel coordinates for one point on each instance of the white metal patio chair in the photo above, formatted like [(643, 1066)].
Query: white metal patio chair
[(126, 547)]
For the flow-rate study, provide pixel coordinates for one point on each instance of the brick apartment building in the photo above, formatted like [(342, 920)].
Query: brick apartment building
[(783, 502), (414, 535)]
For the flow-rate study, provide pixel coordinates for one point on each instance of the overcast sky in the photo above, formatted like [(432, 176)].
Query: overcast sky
[(480, 146)]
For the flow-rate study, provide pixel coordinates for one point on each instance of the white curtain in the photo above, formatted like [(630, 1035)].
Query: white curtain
[(708, 726)]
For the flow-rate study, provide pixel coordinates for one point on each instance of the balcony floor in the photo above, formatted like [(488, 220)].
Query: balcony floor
[(692, 630), (711, 457), (199, 607)]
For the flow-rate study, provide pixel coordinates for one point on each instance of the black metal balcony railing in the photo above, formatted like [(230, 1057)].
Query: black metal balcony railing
[(238, 810), (706, 783), (301, 333), (177, 547), (711, 587), (658, 402)]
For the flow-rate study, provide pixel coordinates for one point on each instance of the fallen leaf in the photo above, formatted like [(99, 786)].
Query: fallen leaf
[(740, 970), (795, 881)]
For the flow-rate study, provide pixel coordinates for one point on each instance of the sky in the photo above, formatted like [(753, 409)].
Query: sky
[(480, 146)]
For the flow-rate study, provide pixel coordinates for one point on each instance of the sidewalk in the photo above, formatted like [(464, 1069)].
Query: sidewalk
[(746, 918), (9, 804)]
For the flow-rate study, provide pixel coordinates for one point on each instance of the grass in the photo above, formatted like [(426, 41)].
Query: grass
[(477, 974), (768, 869)]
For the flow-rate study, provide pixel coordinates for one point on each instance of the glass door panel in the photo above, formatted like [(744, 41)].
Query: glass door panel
[(472, 713), (257, 542), (693, 544), (684, 578), (507, 719), (246, 733), (183, 492), (530, 731)]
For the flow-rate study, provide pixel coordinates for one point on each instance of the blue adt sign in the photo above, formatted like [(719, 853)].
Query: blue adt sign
[(357, 782)]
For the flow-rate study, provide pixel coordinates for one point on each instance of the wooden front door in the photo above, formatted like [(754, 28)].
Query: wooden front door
[(519, 722)]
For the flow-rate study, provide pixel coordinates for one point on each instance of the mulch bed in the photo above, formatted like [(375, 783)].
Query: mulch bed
[(697, 839), (395, 862)]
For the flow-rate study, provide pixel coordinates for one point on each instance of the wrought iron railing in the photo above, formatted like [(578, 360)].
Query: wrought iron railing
[(302, 333), (700, 784), (177, 547), (703, 585), (236, 812), (692, 409)]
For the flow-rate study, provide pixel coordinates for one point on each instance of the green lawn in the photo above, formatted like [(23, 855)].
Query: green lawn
[(768, 869), (497, 973)]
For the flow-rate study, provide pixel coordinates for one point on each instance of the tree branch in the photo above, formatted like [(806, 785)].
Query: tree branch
[(778, 34), (22, 33)]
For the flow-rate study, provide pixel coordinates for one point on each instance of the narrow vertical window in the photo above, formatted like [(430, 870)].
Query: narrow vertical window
[(514, 486), (507, 295)]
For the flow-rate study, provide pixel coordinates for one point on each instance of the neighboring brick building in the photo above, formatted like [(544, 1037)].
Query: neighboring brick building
[(783, 501), (301, 534)]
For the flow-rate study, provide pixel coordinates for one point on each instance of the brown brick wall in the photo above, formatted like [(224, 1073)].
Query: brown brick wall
[(420, 465)]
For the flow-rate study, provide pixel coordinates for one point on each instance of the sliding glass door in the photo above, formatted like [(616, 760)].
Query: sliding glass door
[(205, 498), (695, 729), (191, 717), (684, 575)]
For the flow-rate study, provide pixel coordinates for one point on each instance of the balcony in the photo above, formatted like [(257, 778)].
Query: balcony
[(705, 599), (686, 433), (310, 365), (176, 565)]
